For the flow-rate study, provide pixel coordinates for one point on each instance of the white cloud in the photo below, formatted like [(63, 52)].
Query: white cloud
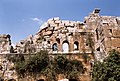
[(39, 21), (35, 19)]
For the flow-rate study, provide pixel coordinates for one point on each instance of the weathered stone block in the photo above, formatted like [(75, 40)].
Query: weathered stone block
[(108, 42), (48, 33), (116, 32), (115, 42)]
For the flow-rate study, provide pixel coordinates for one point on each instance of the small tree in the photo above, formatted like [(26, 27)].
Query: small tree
[(20, 68), (40, 63), (70, 68), (109, 69), (20, 65), (74, 69), (35, 64)]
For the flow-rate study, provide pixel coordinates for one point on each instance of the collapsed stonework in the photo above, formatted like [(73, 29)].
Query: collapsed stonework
[(59, 36), (64, 36), (25, 46)]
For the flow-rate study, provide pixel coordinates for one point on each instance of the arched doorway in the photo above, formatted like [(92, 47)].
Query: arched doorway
[(65, 47), (76, 45), (54, 47)]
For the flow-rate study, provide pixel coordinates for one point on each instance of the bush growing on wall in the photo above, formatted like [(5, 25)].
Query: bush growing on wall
[(41, 63)]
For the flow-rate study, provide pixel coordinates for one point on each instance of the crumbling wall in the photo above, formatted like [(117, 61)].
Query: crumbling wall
[(7, 70), (25, 46), (55, 34), (56, 31), (5, 43), (106, 33)]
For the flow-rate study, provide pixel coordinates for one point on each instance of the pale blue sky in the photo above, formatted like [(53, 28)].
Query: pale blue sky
[(20, 18)]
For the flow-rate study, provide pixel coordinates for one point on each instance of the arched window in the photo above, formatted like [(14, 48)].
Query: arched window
[(76, 45), (54, 47), (65, 47)]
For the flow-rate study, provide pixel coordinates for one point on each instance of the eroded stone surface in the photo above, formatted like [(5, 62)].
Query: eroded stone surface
[(5, 43)]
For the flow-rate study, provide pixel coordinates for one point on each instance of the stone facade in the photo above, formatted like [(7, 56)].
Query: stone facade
[(62, 36), (58, 36)]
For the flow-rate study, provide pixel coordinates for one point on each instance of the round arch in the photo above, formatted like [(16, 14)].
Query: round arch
[(76, 45), (54, 47), (65, 46)]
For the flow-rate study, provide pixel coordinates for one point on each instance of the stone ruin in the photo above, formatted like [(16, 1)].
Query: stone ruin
[(5, 65), (25, 46), (58, 36), (5, 44), (64, 36), (7, 70), (106, 33), (96, 35)]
